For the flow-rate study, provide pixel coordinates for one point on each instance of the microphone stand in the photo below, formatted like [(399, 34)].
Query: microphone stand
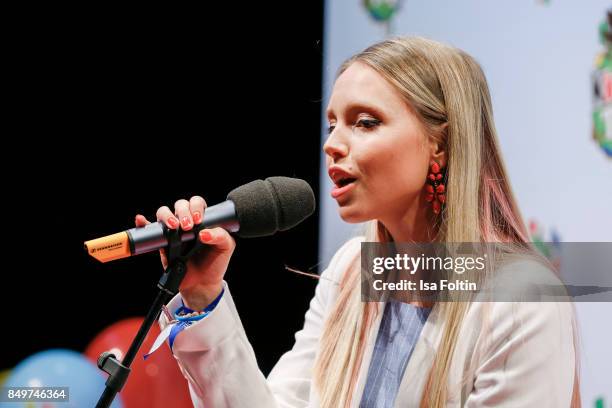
[(178, 255)]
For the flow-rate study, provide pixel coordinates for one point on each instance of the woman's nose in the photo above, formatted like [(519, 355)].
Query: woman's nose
[(334, 147)]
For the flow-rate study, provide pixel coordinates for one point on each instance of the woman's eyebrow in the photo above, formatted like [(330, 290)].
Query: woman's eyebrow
[(357, 107)]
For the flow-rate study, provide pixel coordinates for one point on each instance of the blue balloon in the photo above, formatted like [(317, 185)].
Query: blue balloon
[(60, 368)]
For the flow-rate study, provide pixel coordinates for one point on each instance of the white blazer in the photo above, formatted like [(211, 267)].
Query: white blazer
[(526, 359)]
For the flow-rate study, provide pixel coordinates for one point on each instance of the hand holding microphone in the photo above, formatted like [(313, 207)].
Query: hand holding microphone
[(256, 209), (205, 271)]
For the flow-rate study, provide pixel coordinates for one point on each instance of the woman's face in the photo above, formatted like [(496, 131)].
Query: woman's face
[(375, 139)]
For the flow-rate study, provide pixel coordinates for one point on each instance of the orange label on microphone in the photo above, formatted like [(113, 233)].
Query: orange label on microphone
[(109, 248)]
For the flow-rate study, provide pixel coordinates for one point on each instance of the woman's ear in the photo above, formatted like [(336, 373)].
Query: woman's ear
[(438, 149), (439, 156)]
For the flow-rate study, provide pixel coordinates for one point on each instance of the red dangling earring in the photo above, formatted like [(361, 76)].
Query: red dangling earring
[(436, 191)]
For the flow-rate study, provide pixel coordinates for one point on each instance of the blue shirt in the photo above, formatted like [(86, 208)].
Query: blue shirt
[(399, 331)]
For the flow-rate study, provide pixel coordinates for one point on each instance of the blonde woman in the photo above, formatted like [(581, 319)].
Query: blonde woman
[(399, 110)]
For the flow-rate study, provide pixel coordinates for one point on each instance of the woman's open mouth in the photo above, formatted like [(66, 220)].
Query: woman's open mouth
[(343, 186)]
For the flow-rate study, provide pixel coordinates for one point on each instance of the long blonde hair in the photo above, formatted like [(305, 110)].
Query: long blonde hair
[(444, 85)]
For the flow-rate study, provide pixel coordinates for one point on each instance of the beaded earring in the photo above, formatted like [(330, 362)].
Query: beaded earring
[(435, 188)]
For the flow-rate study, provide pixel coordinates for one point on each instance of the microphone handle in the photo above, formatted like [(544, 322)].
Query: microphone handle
[(153, 236)]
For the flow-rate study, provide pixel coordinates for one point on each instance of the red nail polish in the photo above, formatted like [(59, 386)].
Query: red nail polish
[(197, 217), (205, 235), (172, 222), (186, 222)]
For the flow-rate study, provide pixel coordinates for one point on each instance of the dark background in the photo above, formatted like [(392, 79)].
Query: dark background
[(130, 111)]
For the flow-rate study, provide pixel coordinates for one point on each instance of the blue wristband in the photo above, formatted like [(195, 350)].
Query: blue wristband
[(185, 314), (185, 318)]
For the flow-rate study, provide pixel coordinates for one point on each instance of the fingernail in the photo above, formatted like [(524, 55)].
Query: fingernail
[(186, 222), (172, 222), (205, 235), (197, 217)]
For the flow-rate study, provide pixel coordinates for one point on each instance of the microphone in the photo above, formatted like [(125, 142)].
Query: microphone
[(256, 209)]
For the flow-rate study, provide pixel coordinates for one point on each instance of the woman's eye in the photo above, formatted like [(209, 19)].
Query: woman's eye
[(368, 123), (330, 129)]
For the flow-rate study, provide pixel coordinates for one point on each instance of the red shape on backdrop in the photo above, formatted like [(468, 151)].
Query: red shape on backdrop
[(154, 383)]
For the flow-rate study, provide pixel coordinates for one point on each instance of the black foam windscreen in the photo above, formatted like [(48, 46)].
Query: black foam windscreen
[(264, 207)]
